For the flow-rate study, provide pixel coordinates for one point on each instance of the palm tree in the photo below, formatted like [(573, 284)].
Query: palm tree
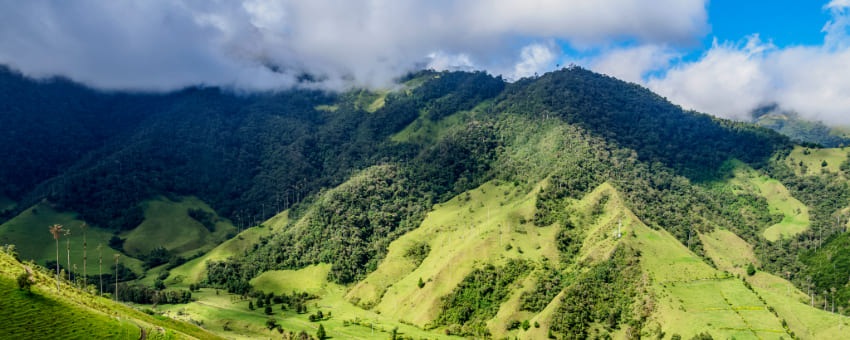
[(100, 266), (56, 230), (84, 226), (68, 239), (116, 275)]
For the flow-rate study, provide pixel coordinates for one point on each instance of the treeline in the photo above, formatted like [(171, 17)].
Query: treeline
[(147, 295)]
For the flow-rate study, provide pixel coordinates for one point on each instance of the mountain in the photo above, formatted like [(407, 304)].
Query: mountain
[(798, 129), (569, 205)]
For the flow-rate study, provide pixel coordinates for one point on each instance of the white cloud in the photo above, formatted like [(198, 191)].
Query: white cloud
[(728, 81), (731, 80), (266, 44), (632, 64), (535, 59)]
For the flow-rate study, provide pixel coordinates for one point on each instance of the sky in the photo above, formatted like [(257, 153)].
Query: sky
[(721, 57)]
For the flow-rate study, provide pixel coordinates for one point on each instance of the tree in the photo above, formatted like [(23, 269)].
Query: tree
[(68, 242), (158, 284), (25, 282), (268, 310), (526, 325), (56, 230), (421, 283), (320, 333), (251, 305), (100, 266), (271, 324), (84, 226), (751, 270), (116, 275)]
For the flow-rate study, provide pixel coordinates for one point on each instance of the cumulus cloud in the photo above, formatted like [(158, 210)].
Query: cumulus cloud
[(633, 63), (268, 44), (731, 80)]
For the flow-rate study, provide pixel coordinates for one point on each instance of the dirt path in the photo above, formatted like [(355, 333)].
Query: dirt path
[(144, 333)]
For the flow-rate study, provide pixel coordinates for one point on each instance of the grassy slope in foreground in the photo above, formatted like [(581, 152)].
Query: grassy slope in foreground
[(28, 232), (46, 314)]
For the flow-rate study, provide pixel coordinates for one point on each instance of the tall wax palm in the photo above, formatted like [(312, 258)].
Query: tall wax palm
[(56, 230), (116, 275), (100, 266), (68, 239), (84, 226)]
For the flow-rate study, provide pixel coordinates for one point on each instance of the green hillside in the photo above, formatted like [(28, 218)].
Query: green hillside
[(28, 232), (45, 313)]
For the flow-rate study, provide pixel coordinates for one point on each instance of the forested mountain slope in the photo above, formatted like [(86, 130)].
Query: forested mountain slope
[(401, 205)]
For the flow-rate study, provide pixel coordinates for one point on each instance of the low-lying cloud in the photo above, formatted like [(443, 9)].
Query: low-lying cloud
[(730, 80), (267, 44)]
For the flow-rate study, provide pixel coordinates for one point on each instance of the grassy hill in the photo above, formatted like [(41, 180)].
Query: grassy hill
[(28, 232), (71, 313), (795, 214), (167, 224)]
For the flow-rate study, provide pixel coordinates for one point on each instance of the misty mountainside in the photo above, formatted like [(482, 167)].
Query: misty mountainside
[(569, 205), (801, 130)]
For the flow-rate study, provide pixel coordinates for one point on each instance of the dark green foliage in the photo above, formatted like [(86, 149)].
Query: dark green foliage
[(271, 323), (268, 310), (156, 257), (320, 333), (751, 270), (458, 91), (259, 303), (702, 336), (477, 298), (549, 282), (605, 293), (146, 295), (421, 283), (116, 243), (525, 325), (513, 325), (418, 252), (25, 282), (675, 337), (160, 285), (251, 305), (204, 217)]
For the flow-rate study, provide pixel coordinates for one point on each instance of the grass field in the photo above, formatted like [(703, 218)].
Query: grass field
[(167, 224), (73, 314), (194, 270), (815, 157), (779, 200), (28, 232), (729, 252)]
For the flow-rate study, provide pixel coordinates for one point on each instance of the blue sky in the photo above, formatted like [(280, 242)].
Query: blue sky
[(720, 57)]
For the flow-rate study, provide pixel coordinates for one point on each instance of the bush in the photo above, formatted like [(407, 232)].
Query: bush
[(421, 283), (25, 282), (751, 270), (525, 325)]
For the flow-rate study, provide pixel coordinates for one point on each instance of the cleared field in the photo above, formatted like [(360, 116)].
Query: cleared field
[(813, 159), (729, 252), (779, 200), (28, 232), (167, 224), (195, 270)]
